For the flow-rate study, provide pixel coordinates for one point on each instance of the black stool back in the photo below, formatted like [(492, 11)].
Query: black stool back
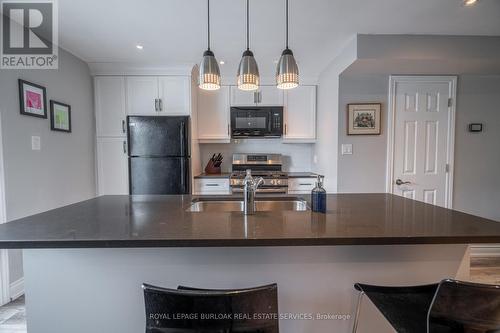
[(211, 311), (464, 307), (405, 308)]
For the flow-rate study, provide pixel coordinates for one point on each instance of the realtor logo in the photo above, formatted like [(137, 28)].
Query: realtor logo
[(29, 35)]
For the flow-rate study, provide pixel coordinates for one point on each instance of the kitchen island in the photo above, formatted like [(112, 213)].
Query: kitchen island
[(84, 263)]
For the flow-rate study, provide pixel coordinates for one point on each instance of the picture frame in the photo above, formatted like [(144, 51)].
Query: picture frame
[(364, 118), (60, 116), (32, 99)]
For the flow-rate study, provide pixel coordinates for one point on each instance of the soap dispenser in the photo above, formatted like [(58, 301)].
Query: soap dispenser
[(318, 197)]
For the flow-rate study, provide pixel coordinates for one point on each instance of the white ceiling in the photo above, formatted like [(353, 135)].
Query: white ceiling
[(173, 32)]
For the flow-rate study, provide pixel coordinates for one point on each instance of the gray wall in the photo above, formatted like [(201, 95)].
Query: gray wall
[(62, 172), (364, 170), (477, 156), (296, 157)]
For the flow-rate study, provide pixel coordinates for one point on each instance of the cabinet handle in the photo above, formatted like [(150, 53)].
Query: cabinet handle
[(211, 184), (124, 129), (160, 106), (260, 96), (304, 184), (228, 129), (124, 147), (156, 104), (255, 97), (285, 129)]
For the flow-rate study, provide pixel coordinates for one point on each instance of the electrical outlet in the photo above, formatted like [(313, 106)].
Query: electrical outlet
[(346, 149), (36, 143)]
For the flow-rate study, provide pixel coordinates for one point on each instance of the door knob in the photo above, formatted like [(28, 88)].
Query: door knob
[(400, 182)]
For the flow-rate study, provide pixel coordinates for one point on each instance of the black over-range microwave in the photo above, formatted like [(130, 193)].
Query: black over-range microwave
[(256, 122)]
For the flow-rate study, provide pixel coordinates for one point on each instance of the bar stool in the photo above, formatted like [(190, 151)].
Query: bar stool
[(448, 307), (465, 307), (405, 308), (211, 311)]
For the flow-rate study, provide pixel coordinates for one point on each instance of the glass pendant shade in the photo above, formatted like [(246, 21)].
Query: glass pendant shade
[(209, 72), (287, 72), (248, 72)]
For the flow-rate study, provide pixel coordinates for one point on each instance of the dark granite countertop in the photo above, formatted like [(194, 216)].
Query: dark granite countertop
[(218, 175), (162, 221), (302, 175)]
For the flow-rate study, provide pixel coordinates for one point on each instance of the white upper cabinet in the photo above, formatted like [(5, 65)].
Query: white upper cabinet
[(174, 95), (157, 96), (269, 96), (110, 106), (241, 97), (300, 114), (142, 95), (112, 166), (264, 96), (213, 115)]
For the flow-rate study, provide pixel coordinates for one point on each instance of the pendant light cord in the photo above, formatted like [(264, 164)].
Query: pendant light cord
[(248, 33), (208, 21), (287, 24)]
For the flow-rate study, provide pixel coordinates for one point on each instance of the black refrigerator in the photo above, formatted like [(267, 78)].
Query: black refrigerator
[(158, 155)]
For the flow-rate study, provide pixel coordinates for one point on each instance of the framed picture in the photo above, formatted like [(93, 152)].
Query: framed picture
[(363, 119), (32, 99), (60, 116)]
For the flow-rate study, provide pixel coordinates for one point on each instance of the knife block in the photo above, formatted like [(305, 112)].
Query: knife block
[(210, 169)]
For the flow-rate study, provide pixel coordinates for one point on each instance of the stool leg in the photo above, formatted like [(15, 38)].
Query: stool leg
[(356, 314)]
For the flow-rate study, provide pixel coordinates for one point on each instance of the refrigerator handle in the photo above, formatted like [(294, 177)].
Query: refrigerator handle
[(183, 176), (183, 149)]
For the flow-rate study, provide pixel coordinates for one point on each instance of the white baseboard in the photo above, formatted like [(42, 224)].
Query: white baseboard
[(485, 250), (17, 288)]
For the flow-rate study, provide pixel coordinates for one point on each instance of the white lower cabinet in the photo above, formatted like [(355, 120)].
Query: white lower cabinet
[(301, 185), (211, 186), (112, 166)]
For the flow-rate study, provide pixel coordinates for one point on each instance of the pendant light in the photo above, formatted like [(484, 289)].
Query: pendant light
[(287, 71), (209, 68), (248, 71)]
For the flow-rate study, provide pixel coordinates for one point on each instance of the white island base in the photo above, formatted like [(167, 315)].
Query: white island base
[(99, 290)]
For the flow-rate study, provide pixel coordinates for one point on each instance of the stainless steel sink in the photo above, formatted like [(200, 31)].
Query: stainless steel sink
[(262, 205)]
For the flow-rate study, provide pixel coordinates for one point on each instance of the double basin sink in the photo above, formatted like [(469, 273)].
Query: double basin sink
[(236, 205)]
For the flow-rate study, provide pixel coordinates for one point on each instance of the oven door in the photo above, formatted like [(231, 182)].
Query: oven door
[(255, 122)]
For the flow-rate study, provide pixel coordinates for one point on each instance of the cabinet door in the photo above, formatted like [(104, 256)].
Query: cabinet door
[(110, 105), (142, 95), (213, 115), (301, 185), (300, 114), (175, 95), (242, 97), (112, 166), (270, 96)]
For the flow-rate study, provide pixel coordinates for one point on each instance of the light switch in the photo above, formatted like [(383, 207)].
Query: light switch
[(36, 143), (346, 149)]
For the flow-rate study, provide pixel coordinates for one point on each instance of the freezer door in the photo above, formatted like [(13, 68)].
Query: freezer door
[(155, 175), (158, 136)]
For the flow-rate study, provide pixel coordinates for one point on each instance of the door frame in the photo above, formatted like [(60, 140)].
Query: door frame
[(451, 80), (4, 254)]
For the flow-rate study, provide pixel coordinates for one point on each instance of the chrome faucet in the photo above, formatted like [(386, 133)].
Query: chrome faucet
[(250, 185)]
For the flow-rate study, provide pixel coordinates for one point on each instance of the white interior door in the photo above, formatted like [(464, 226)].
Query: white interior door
[(423, 132)]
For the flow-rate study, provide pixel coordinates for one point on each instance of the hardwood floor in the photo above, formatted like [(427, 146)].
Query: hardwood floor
[(485, 270), (13, 315)]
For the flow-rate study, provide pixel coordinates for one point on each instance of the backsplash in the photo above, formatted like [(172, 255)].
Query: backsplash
[(296, 157)]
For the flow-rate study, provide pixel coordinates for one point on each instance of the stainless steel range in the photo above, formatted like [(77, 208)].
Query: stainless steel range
[(267, 166)]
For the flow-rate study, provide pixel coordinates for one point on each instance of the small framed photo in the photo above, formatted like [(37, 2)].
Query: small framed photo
[(32, 99), (363, 119), (60, 116)]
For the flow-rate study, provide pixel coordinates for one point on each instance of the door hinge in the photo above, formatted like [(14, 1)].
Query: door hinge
[(450, 102), (447, 168)]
